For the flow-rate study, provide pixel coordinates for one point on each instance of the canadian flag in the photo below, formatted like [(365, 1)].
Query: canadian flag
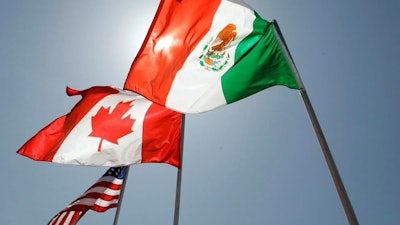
[(109, 127)]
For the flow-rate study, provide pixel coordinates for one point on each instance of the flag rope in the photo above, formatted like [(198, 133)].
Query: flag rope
[(347, 207)]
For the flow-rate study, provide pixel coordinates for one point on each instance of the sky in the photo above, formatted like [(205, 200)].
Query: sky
[(256, 161)]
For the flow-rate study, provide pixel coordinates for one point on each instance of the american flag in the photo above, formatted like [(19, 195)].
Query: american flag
[(102, 195)]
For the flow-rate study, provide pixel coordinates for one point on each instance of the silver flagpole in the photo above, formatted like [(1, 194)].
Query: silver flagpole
[(351, 217), (121, 195), (179, 175)]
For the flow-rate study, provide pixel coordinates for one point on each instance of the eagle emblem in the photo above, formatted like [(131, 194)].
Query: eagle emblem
[(214, 57)]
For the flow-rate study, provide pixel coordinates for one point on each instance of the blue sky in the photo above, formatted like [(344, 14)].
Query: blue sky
[(256, 161)]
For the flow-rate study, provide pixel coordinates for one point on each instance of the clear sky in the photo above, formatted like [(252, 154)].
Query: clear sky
[(256, 161)]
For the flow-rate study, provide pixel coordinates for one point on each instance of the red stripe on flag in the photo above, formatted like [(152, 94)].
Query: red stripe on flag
[(75, 217), (100, 209), (161, 136), (103, 196), (175, 31), (107, 184), (44, 145)]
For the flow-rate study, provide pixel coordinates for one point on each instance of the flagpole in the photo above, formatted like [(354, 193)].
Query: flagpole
[(179, 175), (351, 217), (121, 195)]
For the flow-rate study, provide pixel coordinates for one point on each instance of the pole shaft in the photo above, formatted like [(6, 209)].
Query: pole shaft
[(179, 175), (348, 209), (177, 196), (121, 195)]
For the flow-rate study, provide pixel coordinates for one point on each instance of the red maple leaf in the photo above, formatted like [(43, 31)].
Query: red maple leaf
[(111, 126)]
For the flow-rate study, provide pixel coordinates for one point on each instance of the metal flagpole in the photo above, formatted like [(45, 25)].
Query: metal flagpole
[(179, 175), (351, 217), (121, 195)]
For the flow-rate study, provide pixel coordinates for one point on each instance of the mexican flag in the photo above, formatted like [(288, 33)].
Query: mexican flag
[(202, 54), (109, 127)]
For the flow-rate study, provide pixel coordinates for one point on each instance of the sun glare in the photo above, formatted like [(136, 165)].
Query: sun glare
[(164, 44)]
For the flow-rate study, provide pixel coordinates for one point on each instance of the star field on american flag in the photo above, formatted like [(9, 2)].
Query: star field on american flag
[(118, 172)]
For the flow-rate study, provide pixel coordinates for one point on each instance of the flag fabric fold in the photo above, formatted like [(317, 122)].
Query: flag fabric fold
[(109, 127), (203, 54), (101, 196)]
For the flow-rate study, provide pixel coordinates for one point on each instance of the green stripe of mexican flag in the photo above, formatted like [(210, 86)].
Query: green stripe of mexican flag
[(203, 54), (265, 65)]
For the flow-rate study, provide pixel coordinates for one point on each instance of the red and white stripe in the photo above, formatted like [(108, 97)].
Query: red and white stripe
[(103, 195)]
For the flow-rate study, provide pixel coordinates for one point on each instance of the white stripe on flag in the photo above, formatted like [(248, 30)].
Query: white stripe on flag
[(110, 179), (97, 201), (102, 190)]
